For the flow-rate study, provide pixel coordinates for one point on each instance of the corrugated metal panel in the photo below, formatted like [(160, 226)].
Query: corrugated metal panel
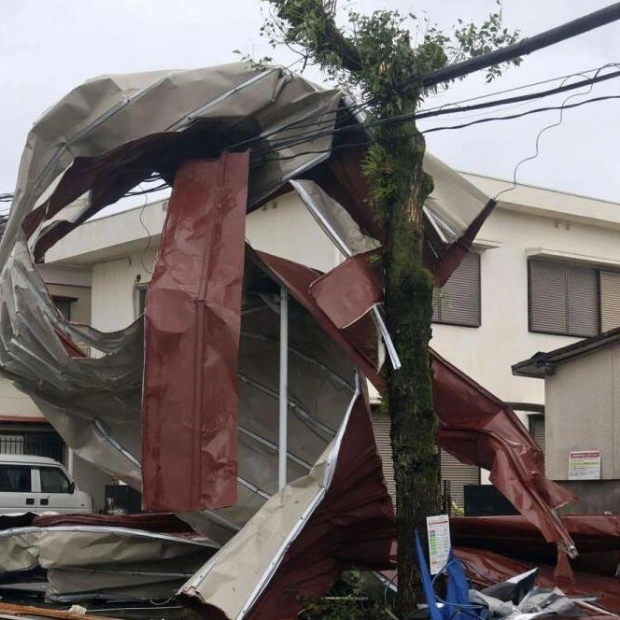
[(381, 427), (459, 474), (582, 293), (458, 301), (192, 326), (610, 299)]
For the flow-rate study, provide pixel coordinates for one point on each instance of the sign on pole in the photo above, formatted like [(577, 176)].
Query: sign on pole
[(438, 541)]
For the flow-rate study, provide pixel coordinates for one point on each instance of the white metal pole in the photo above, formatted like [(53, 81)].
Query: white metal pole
[(283, 392)]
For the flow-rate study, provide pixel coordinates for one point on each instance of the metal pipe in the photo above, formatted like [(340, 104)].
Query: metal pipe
[(344, 249), (283, 391)]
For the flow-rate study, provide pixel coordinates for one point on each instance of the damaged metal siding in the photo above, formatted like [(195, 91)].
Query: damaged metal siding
[(192, 326)]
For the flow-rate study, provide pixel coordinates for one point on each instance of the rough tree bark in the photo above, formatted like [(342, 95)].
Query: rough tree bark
[(408, 307)]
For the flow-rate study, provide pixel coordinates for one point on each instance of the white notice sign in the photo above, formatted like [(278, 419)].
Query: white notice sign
[(438, 541), (584, 465)]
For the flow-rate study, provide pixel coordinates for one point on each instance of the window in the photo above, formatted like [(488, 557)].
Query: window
[(35, 443), (458, 301), (63, 304), (141, 290), (53, 480), (12, 444), (536, 425), (15, 479), (572, 300)]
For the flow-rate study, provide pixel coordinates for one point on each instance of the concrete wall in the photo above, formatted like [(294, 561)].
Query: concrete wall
[(89, 479), (286, 228), (15, 404), (583, 412), (594, 497), (114, 294)]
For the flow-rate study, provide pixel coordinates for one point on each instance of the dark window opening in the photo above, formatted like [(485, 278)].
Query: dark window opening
[(141, 298), (63, 304), (536, 425)]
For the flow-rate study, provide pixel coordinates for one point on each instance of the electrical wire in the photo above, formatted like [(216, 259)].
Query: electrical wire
[(440, 111), (326, 119), (314, 135), (562, 78), (449, 127), (537, 142), (522, 114)]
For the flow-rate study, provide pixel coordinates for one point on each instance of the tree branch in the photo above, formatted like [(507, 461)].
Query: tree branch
[(314, 28)]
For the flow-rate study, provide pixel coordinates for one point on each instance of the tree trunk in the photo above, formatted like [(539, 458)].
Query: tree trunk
[(408, 306)]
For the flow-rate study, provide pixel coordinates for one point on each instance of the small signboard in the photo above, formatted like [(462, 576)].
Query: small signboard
[(438, 541), (584, 465)]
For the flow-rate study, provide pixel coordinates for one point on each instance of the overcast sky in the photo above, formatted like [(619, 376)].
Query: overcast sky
[(50, 46)]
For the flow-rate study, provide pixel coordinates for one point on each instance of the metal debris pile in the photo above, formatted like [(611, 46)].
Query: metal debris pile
[(186, 404)]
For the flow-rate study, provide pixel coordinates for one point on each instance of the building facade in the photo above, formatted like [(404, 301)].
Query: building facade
[(582, 419), (542, 274)]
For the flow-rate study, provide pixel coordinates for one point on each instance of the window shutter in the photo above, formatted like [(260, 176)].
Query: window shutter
[(458, 302), (547, 297), (537, 430), (381, 428), (610, 299), (459, 474), (583, 312)]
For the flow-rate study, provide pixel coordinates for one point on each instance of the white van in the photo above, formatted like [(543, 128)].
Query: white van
[(38, 484)]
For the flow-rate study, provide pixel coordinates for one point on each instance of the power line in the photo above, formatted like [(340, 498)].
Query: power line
[(537, 142), (446, 109), (327, 119), (314, 135), (452, 127), (563, 78), (522, 114)]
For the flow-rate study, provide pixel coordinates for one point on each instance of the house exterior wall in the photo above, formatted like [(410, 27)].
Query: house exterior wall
[(583, 412), (286, 228), (503, 335), (120, 251), (115, 282)]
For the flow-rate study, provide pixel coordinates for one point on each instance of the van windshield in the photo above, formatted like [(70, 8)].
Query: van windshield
[(15, 479)]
